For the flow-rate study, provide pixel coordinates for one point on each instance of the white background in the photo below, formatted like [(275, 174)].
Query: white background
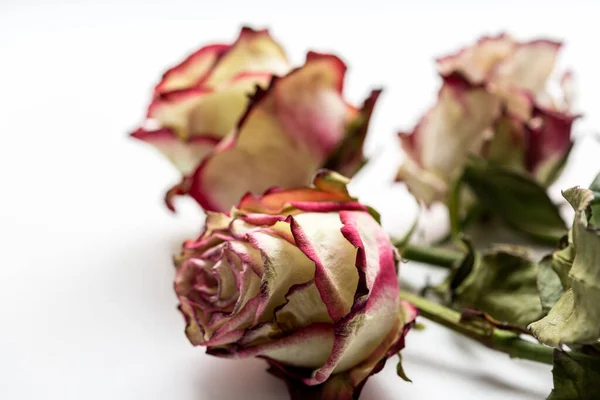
[(87, 309)]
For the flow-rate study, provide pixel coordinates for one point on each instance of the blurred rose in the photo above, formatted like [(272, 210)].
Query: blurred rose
[(304, 278), (493, 103), (200, 100), (227, 143)]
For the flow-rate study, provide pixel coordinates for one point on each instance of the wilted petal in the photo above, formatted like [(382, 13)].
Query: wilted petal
[(284, 266), (253, 51), (442, 140), (475, 63), (549, 135), (192, 70), (335, 276), (348, 157), (205, 112), (282, 140), (185, 155), (528, 67), (309, 104)]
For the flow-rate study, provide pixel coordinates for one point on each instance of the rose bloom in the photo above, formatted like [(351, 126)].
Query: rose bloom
[(237, 118), (304, 278), (493, 103)]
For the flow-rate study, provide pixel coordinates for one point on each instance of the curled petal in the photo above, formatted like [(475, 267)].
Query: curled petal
[(528, 67), (309, 104), (549, 135), (348, 157), (476, 62), (192, 71), (282, 139), (328, 193), (200, 111), (253, 51), (444, 137), (184, 155), (347, 385), (335, 276)]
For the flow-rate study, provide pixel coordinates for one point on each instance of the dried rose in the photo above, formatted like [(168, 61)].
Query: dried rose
[(494, 104), (200, 100), (304, 278), (226, 142)]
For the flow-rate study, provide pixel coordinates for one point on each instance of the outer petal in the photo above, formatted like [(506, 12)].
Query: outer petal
[(328, 187), (281, 140), (199, 111), (348, 385), (310, 107), (476, 62), (284, 266), (549, 135), (456, 126), (253, 51), (348, 157), (185, 155), (424, 185), (319, 237), (192, 70), (528, 67)]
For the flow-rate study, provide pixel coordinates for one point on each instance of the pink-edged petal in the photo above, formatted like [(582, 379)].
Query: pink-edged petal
[(307, 347), (309, 104), (457, 125), (284, 266), (426, 186), (347, 385), (527, 67), (476, 62), (185, 155), (199, 111), (328, 188), (360, 332), (192, 70), (348, 157), (272, 148), (253, 51), (260, 156), (549, 142), (335, 274), (303, 307)]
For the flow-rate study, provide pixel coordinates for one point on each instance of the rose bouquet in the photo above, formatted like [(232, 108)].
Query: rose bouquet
[(304, 276)]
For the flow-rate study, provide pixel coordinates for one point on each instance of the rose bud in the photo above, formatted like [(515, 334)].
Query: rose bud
[(303, 278), (494, 104), (199, 101), (280, 136)]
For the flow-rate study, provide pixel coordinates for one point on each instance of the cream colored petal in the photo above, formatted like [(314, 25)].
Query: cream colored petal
[(254, 51)]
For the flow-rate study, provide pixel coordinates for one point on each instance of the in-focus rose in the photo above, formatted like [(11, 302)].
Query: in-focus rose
[(493, 103), (237, 119), (304, 278)]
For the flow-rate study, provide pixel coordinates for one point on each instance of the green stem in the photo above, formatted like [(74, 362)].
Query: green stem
[(498, 339), (431, 255)]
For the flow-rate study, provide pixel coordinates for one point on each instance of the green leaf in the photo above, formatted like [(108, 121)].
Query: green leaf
[(501, 282), (575, 378), (375, 214), (549, 284), (400, 370), (521, 202), (575, 318), (595, 205)]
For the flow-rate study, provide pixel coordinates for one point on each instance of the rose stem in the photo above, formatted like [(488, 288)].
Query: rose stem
[(446, 258), (499, 340)]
